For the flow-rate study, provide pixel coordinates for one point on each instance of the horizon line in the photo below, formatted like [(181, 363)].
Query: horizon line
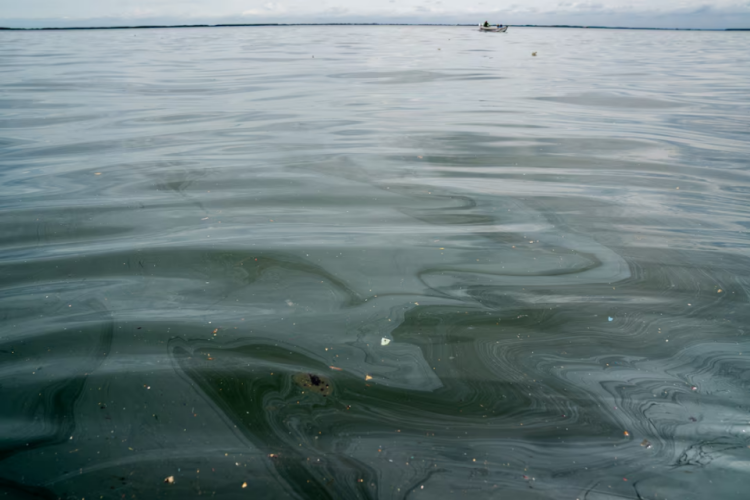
[(230, 25)]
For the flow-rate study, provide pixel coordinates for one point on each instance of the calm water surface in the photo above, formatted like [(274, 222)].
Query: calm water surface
[(374, 263)]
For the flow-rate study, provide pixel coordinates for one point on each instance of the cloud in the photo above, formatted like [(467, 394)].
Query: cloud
[(265, 9), (336, 11)]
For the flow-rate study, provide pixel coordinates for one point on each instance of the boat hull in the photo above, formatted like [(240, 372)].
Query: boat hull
[(494, 30)]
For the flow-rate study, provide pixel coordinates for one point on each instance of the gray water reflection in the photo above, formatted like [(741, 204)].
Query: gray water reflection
[(374, 262)]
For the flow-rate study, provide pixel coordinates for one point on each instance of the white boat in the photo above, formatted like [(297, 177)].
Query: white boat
[(493, 29)]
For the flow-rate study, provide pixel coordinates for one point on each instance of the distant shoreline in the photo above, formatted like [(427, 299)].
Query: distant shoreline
[(354, 24)]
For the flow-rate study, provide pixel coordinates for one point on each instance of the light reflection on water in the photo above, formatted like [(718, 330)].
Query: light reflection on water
[(210, 236)]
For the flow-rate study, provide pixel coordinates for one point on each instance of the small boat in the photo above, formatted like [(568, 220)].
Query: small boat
[(493, 29)]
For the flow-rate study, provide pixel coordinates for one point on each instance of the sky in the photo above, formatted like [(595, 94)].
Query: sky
[(635, 13)]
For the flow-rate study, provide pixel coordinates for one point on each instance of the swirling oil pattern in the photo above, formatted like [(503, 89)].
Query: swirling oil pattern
[(374, 263)]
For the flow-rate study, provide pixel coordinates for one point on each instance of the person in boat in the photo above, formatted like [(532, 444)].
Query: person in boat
[(486, 24)]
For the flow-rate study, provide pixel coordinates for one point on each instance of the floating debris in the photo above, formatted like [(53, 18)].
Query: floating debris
[(244, 485), (368, 377), (610, 318), (169, 480), (533, 54), (626, 433), (646, 443), (385, 341), (317, 384)]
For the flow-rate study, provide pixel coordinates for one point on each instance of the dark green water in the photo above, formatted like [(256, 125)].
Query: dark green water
[(374, 263)]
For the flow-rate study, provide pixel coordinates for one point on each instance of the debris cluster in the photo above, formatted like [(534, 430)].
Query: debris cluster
[(316, 383)]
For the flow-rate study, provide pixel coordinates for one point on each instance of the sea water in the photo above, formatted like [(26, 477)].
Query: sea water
[(374, 262)]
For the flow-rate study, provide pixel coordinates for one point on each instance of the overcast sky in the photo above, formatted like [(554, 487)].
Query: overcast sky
[(640, 13)]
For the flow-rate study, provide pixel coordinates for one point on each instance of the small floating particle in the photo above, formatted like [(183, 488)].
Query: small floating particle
[(533, 54), (97, 173), (610, 318), (368, 377), (695, 388), (646, 444), (216, 331), (626, 433), (385, 341), (205, 218), (416, 303), (244, 485), (719, 290), (169, 480), (335, 368)]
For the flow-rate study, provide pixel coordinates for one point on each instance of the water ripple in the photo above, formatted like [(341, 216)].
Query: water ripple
[(340, 263)]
